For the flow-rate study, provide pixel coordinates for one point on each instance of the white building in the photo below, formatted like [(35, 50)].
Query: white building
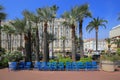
[(90, 44), (59, 31), (115, 32)]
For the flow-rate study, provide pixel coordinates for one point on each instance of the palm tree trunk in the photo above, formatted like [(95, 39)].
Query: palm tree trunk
[(81, 38), (96, 39), (21, 42), (37, 45), (0, 37), (26, 48), (7, 41), (45, 51), (9, 44), (64, 48), (52, 40), (29, 46), (73, 44)]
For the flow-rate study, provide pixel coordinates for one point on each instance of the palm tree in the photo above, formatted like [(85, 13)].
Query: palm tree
[(70, 20), (9, 31), (54, 9), (82, 12), (117, 42), (35, 19), (19, 26), (27, 37), (45, 15), (95, 24), (2, 17), (63, 38), (108, 40)]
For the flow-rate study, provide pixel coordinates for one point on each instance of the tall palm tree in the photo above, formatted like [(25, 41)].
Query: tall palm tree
[(36, 19), (50, 38), (108, 40), (70, 20), (19, 25), (2, 17), (63, 38), (54, 9), (45, 15), (82, 12), (9, 31), (95, 24), (28, 50)]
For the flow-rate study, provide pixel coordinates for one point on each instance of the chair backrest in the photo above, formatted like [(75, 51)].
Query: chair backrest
[(13, 64), (68, 63), (21, 63), (43, 64), (74, 63), (88, 64), (94, 63), (80, 63), (37, 63), (28, 63)]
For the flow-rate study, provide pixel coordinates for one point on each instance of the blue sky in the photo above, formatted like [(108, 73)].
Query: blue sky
[(106, 9)]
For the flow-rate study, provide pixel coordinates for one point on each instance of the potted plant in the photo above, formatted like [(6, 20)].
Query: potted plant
[(108, 61)]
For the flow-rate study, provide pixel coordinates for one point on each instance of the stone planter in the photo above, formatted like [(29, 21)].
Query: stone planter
[(108, 66)]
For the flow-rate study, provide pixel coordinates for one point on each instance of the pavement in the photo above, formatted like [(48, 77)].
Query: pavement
[(5, 74)]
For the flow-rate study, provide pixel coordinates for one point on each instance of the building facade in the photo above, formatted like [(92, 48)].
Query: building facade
[(59, 30), (114, 34), (90, 44)]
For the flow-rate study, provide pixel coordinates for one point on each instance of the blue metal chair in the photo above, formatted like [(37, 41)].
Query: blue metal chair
[(12, 66), (60, 66), (27, 65), (48, 66), (88, 66), (21, 65), (94, 65), (74, 66), (68, 66), (37, 65), (80, 66), (43, 66), (54, 65)]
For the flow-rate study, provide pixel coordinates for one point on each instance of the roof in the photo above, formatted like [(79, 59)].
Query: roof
[(116, 27)]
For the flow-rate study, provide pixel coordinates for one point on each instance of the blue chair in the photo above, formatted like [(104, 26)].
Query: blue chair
[(68, 66), (94, 65), (43, 66), (21, 65), (48, 66), (60, 66), (27, 65), (74, 66), (12, 66), (54, 66), (88, 66), (80, 66), (37, 65)]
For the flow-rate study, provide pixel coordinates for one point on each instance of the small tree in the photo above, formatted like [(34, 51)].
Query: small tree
[(63, 38)]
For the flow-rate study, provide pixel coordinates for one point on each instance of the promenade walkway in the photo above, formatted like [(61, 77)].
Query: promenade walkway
[(58, 75)]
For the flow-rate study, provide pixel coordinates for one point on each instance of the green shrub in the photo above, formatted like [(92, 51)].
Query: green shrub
[(64, 60), (88, 59), (52, 60), (14, 56), (110, 57), (118, 52)]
